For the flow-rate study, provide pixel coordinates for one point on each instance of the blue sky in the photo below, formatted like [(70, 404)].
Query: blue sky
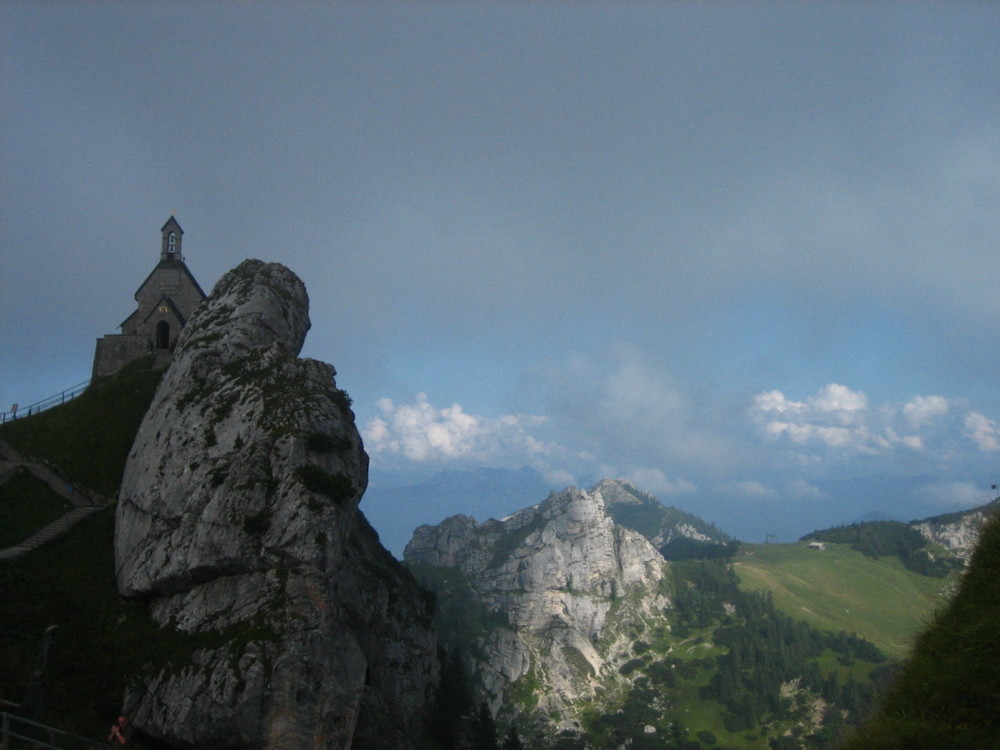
[(745, 254)]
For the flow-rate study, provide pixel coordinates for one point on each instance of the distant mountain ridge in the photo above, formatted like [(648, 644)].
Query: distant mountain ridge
[(932, 546), (396, 504)]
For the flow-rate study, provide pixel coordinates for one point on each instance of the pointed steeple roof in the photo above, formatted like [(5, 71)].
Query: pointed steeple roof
[(170, 249)]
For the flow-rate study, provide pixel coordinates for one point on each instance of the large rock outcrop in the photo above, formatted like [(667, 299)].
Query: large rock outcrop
[(288, 625), (555, 590), (957, 532)]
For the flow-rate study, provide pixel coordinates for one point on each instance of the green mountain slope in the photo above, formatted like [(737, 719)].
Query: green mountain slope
[(878, 539), (839, 588), (88, 439), (948, 691)]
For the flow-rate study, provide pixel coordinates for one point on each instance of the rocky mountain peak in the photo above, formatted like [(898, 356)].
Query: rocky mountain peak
[(256, 305), (618, 491), (563, 576), (238, 421), (238, 514)]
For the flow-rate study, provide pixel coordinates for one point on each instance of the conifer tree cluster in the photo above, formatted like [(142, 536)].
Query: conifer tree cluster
[(766, 650), (457, 721)]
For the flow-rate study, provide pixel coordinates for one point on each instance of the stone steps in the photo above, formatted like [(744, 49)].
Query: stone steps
[(82, 506), (48, 533)]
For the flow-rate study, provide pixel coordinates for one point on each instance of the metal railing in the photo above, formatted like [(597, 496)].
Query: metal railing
[(16, 733), (60, 398)]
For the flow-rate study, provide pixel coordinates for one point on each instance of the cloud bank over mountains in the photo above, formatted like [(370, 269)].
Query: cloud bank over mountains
[(423, 433), (624, 418), (744, 254), (843, 422)]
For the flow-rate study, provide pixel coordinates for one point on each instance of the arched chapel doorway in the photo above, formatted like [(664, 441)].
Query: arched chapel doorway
[(163, 335)]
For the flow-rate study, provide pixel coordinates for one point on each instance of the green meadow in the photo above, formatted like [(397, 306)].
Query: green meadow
[(840, 589)]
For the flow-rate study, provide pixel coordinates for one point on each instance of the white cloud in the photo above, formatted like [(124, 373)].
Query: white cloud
[(838, 398), (838, 427), (841, 419), (423, 432), (776, 401), (982, 431), (837, 402), (922, 409), (834, 416)]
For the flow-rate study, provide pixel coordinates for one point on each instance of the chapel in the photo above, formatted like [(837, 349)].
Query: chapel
[(165, 300)]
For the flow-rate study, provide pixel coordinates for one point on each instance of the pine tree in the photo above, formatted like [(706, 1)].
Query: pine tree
[(453, 699), (484, 729), (512, 740)]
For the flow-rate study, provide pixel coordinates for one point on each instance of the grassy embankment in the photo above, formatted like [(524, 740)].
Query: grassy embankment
[(88, 438), (101, 639)]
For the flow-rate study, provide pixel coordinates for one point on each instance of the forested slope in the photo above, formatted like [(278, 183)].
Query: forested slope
[(948, 691)]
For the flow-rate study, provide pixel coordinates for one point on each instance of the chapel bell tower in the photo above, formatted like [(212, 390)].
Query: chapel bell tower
[(172, 233), (165, 300)]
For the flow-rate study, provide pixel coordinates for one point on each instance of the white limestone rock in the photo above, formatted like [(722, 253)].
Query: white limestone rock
[(564, 580), (238, 519), (959, 533)]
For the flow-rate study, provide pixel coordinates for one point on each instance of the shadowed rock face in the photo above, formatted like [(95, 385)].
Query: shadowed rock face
[(238, 516)]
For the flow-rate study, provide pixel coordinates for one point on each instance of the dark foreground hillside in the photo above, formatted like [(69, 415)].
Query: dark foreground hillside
[(100, 639), (948, 693)]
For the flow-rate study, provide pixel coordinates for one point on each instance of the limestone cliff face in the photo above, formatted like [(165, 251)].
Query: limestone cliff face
[(238, 522), (558, 584), (958, 532)]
